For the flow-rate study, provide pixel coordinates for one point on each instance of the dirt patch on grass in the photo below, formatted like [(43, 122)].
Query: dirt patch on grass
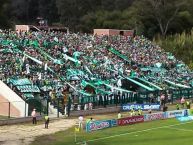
[(24, 135)]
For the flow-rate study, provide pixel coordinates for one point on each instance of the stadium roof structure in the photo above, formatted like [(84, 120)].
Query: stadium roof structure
[(177, 84), (153, 85), (140, 84)]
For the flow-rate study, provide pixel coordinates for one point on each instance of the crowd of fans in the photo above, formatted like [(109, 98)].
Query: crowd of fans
[(55, 58)]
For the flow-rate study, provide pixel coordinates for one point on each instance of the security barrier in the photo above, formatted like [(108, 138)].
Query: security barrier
[(96, 125)]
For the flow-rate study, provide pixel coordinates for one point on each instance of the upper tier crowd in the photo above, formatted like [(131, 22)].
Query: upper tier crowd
[(46, 57)]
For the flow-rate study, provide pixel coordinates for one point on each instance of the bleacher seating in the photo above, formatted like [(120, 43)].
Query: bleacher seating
[(65, 64)]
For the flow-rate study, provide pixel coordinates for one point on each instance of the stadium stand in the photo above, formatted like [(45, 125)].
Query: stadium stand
[(76, 70)]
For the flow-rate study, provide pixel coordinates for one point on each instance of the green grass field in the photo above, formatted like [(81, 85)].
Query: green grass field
[(162, 132)]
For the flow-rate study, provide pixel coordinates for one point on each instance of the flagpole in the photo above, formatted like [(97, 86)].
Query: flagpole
[(75, 136)]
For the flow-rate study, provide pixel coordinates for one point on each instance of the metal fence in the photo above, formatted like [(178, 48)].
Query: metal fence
[(74, 103), (171, 95)]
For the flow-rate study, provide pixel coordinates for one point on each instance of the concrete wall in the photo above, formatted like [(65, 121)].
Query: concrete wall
[(18, 120), (113, 32), (96, 111), (18, 106), (101, 31), (128, 33), (24, 28), (6, 108), (73, 114)]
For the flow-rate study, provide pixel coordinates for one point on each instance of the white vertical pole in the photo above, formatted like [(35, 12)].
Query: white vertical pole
[(65, 110), (75, 136)]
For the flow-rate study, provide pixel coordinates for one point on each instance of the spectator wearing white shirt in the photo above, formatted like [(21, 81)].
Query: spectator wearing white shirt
[(80, 121)]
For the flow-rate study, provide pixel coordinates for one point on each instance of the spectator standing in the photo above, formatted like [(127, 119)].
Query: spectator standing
[(46, 121), (188, 104), (140, 112), (162, 100), (177, 107), (89, 120), (90, 106), (80, 121), (149, 111), (182, 101), (165, 108), (132, 113), (33, 114), (119, 115), (170, 98)]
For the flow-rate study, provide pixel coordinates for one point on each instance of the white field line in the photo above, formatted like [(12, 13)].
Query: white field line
[(145, 130), (180, 129)]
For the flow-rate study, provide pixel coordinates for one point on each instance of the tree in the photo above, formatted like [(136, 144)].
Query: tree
[(33, 11), (71, 11), (108, 19), (3, 17), (122, 4), (19, 11), (163, 11), (48, 10), (68, 12)]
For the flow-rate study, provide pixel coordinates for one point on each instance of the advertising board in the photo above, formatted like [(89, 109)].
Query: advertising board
[(130, 120), (97, 125), (176, 113), (127, 107), (154, 116), (185, 118)]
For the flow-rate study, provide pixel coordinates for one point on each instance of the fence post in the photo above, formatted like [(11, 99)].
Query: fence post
[(116, 99), (69, 105), (41, 107), (112, 99), (9, 112), (104, 103), (25, 108), (172, 96), (130, 95), (58, 108)]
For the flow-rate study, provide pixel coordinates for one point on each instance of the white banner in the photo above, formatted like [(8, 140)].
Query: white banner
[(176, 113), (154, 116)]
